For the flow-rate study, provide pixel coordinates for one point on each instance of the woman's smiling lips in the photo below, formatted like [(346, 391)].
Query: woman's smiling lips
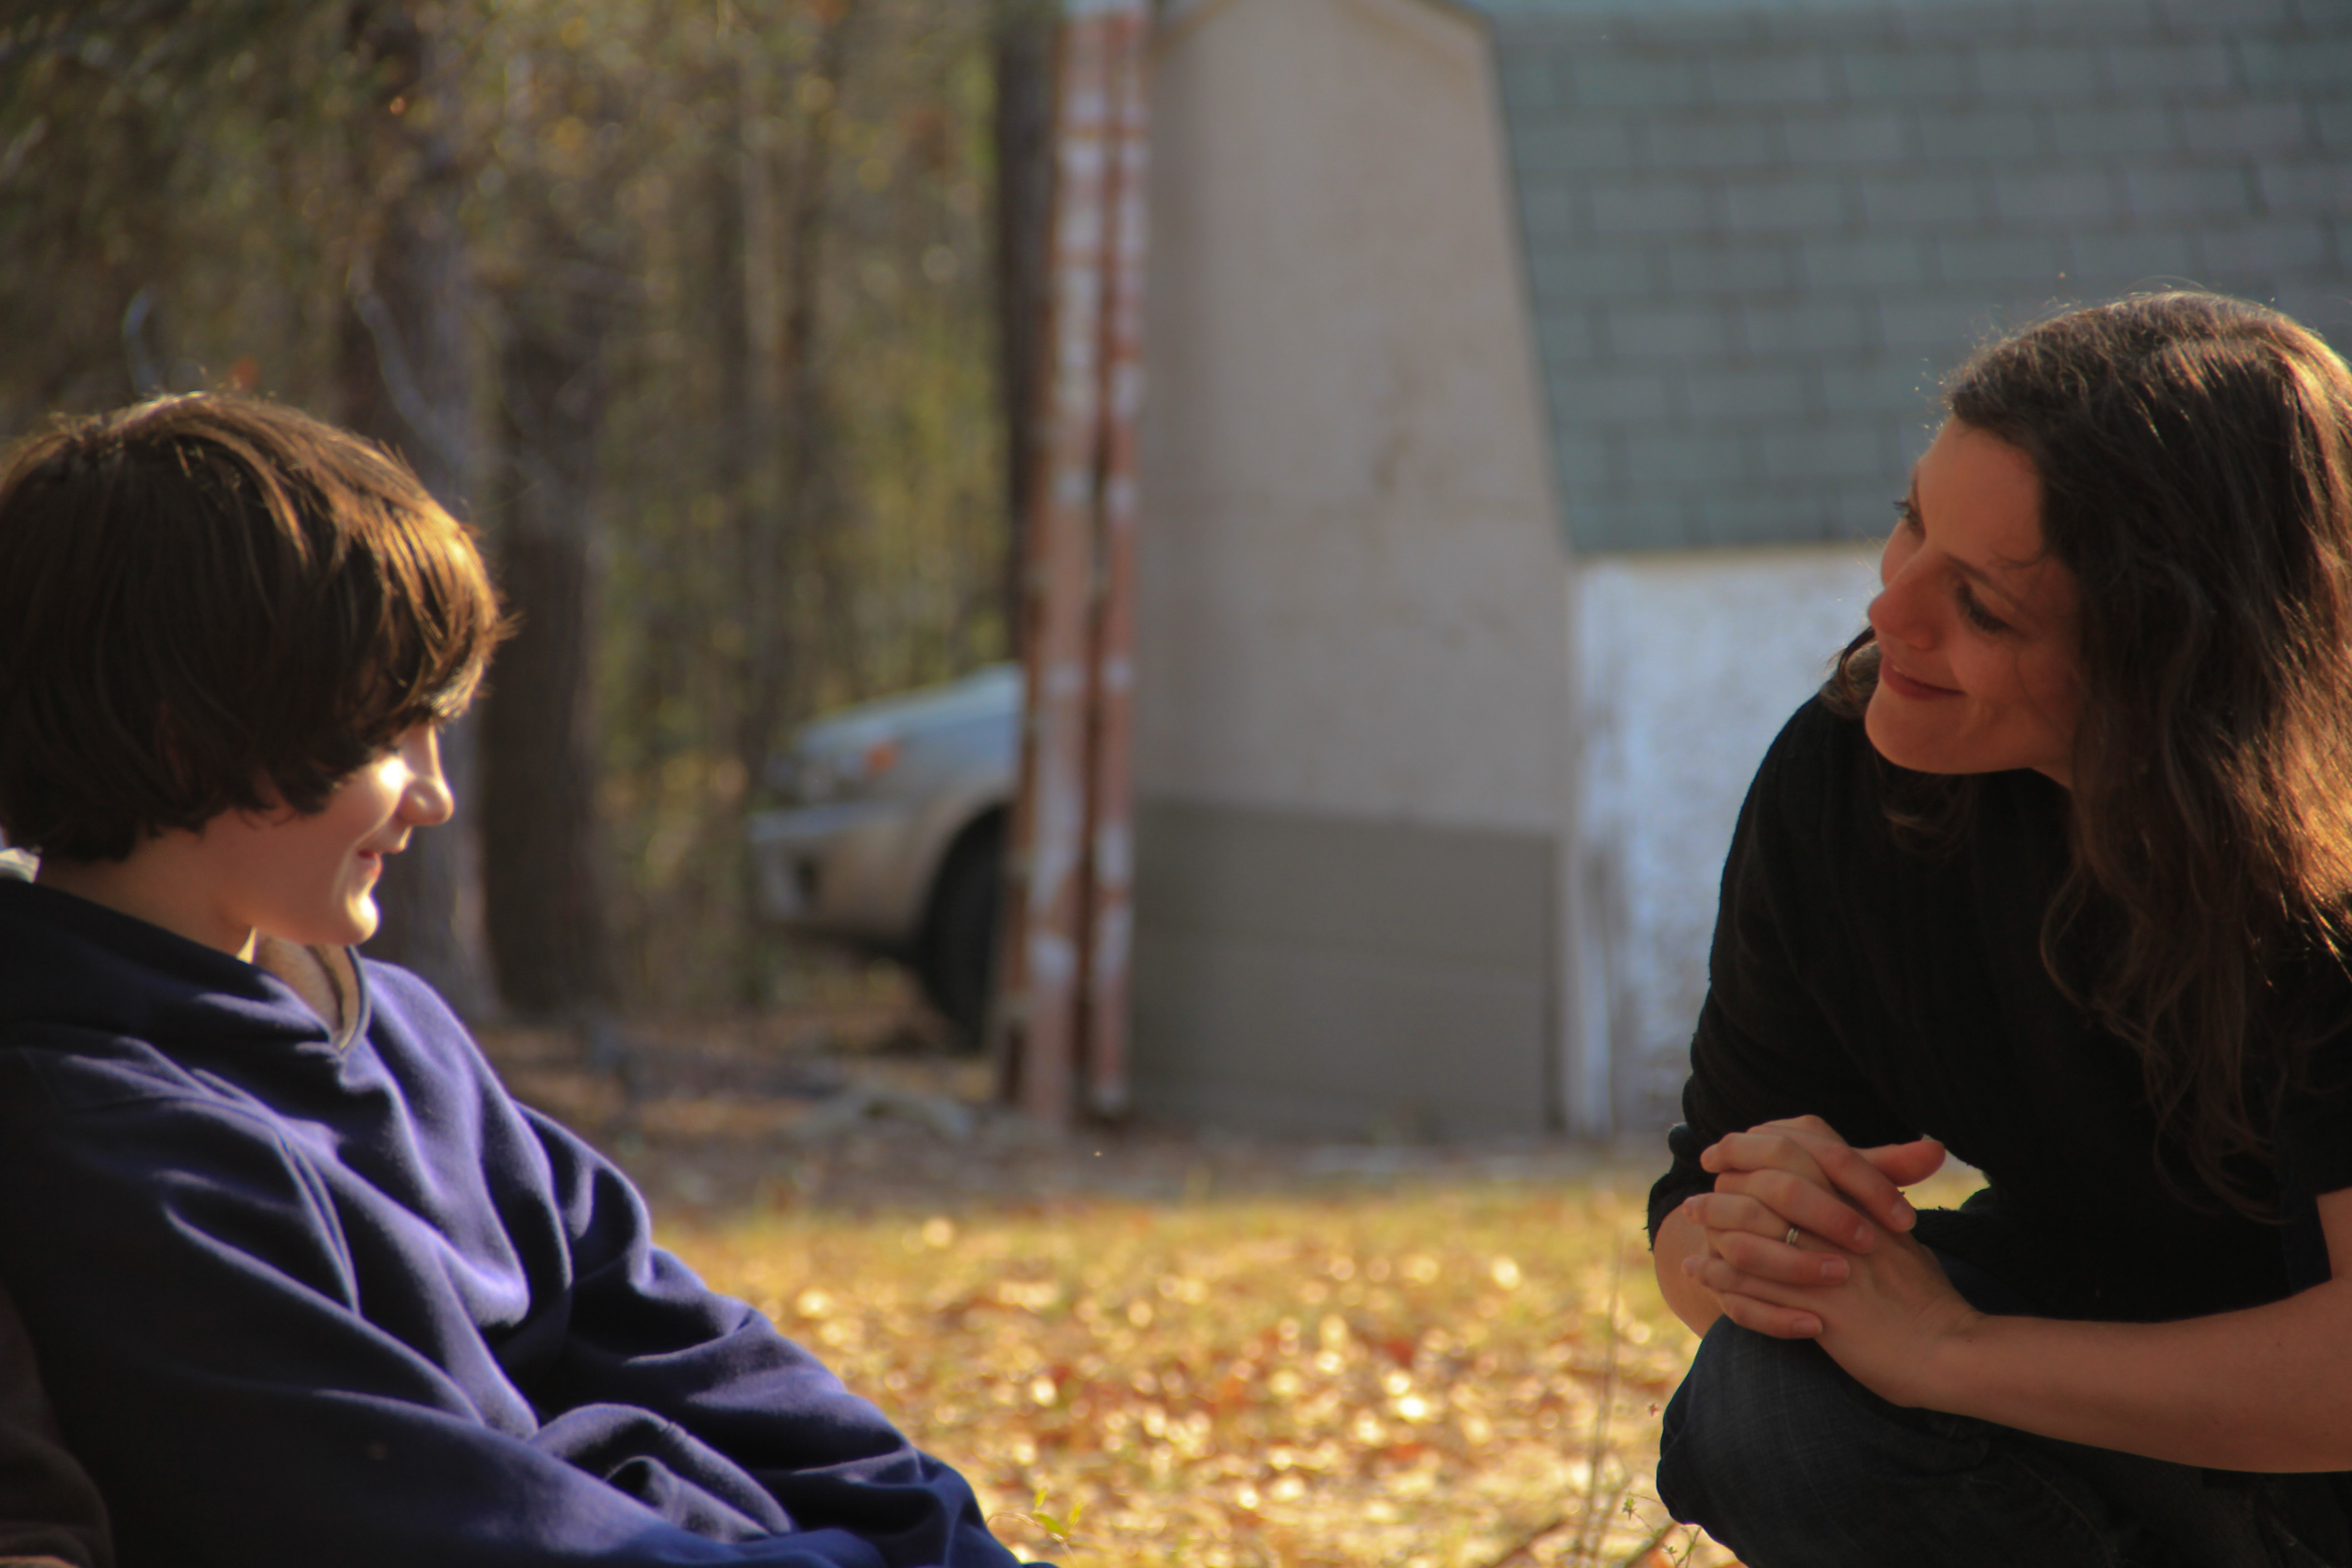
[(1904, 685)]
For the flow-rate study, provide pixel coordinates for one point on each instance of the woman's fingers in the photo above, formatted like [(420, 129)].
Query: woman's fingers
[(1853, 1174), (1787, 1262), (1809, 1148), (1734, 1291), (1780, 1322), (1756, 1240), (1903, 1163), (1804, 1204)]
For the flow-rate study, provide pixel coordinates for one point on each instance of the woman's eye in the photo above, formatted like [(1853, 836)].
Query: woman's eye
[(1977, 615), (1906, 514)]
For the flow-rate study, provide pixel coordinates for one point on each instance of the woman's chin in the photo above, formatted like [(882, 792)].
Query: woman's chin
[(1900, 741), (1885, 731)]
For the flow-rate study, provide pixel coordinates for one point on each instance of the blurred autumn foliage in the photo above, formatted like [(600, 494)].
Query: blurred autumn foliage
[(690, 308)]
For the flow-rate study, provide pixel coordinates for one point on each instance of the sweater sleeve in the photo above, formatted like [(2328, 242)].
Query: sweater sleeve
[(1767, 1045), (214, 1361)]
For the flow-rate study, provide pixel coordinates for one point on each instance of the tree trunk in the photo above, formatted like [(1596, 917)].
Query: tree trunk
[(544, 901), (783, 257), (1024, 220), (406, 380), (753, 383), (816, 630)]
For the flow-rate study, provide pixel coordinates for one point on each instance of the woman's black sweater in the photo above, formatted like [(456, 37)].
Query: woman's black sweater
[(1896, 994)]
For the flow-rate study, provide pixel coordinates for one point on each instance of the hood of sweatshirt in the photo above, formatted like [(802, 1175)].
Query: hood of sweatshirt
[(69, 967)]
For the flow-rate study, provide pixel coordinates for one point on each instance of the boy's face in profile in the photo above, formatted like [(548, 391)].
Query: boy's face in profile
[(311, 879), (196, 760)]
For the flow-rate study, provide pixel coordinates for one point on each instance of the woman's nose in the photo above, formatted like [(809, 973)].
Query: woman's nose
[(1900, 612), (1890, 620)]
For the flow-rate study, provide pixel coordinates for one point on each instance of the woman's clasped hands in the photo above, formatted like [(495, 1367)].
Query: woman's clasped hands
[(1809, 1237)]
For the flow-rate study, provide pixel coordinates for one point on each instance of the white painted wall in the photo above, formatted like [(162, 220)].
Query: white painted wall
[(1687, 666), (1353, 588)]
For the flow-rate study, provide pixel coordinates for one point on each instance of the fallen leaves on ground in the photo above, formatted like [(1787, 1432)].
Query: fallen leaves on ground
[(1456, 1376)]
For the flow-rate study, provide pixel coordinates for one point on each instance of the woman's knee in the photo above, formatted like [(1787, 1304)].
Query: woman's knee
[(1778, 1454), (1763, 1424)]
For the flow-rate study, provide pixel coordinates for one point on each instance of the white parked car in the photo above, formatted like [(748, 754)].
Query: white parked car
[(892, 839)]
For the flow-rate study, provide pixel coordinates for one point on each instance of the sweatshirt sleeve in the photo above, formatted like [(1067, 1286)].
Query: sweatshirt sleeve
[(644, 1333), (1766, 1045), (205, 1329)]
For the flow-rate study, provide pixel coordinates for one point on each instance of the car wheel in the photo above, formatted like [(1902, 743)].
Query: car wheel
[(958, 963)]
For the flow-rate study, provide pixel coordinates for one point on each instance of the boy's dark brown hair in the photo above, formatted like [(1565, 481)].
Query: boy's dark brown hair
[(211, 604)]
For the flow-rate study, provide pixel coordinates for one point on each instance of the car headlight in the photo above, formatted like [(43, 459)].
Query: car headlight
[(820, 777)]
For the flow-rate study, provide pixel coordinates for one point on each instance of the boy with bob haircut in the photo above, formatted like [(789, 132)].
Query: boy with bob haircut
[(305, 1285)]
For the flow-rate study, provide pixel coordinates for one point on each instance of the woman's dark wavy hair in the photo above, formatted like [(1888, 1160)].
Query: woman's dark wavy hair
[(211, 604), (2195, 455)]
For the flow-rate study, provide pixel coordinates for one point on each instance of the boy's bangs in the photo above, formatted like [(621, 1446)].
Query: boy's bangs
[(437, 623)]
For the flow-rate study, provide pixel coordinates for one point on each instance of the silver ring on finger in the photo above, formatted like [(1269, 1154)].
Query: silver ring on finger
[(1790, 1238)]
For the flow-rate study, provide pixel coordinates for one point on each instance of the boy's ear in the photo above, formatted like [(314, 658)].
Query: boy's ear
[(168, 750), (185, 785)]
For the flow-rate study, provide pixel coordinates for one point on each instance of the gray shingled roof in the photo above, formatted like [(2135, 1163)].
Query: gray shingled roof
[(1755, 235)]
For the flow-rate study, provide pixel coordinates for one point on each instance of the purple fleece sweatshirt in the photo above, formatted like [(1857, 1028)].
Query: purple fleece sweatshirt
[(301, 1306)]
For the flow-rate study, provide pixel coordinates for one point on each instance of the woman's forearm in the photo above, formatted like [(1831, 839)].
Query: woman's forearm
[(2269, 1388), (1681, 1237)]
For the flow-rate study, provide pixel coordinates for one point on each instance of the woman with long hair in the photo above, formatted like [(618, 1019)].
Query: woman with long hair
[(2055, 873)]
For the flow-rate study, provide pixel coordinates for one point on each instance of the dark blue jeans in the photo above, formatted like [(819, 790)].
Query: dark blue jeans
[(1772, 1449)]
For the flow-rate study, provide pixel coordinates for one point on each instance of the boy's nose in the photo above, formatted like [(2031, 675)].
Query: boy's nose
[(426, 801)]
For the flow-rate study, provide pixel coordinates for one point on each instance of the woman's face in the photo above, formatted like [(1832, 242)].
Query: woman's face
[(1977, 671)]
